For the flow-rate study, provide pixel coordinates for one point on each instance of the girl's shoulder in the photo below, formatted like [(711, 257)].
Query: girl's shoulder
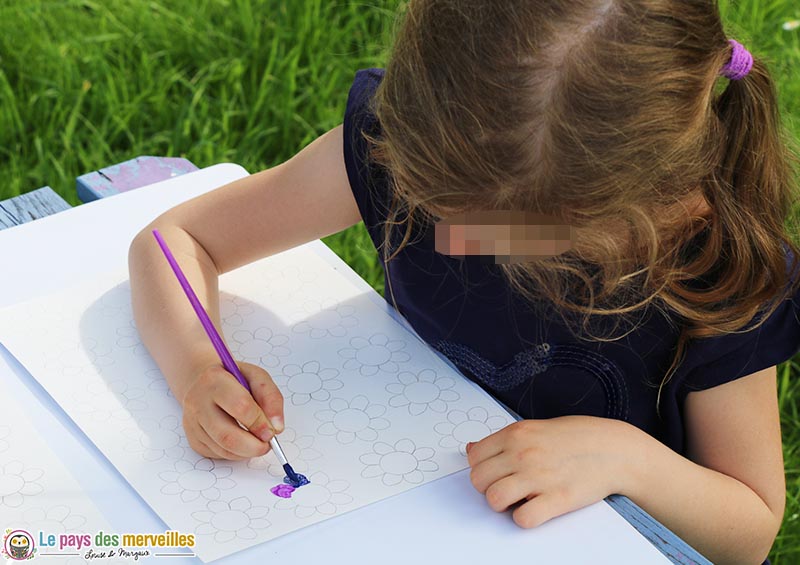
[(717, 360)]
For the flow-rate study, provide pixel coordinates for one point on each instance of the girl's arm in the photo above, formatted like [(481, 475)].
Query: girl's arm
[(728, 500), (306, 198)]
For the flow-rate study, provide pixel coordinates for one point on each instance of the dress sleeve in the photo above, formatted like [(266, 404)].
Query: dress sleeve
[(710, 362), (368, 182)]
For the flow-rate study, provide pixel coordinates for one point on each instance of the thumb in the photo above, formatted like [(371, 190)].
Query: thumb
[(266, 394)]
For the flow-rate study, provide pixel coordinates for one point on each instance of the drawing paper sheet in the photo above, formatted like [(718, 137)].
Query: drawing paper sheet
[(370, 410), (37, 492)]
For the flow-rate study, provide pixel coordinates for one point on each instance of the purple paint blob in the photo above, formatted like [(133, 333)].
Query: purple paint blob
[(284, 491)]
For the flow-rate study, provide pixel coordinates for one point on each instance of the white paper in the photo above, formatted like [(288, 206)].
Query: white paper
[(37, 493), (370, 410)]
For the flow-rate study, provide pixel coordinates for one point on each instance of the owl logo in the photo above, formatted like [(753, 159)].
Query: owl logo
[(18, 545)]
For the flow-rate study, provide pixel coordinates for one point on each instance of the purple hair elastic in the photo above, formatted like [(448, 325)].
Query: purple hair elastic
[(740, 64)]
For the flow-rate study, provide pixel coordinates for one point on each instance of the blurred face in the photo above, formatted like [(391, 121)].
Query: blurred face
[(506, 236)]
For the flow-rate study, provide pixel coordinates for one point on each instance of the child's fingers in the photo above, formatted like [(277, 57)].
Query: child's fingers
[(490, 471), (490, 446), (541, 508), (506, 492), (226, 434), (266, 394), (235, 400), (200, 441)]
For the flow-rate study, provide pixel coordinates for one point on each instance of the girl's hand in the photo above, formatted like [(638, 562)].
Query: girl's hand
[(553, 466), (214, 405)]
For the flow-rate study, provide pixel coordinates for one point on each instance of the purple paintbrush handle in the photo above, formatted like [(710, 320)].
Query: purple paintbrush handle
[(225, 355)]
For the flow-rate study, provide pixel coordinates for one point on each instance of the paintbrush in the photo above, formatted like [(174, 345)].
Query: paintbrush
[(294, 479)]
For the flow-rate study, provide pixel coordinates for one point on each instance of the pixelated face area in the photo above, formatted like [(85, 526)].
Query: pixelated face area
[(505, 236)]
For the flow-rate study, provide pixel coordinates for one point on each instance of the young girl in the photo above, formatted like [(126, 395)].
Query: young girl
[(620, 164)]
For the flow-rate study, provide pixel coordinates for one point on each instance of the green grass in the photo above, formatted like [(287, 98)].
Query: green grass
[(89, 83)]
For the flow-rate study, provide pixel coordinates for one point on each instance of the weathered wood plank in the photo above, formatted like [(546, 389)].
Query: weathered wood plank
[(6, 219), (673, 547), (32, 206)]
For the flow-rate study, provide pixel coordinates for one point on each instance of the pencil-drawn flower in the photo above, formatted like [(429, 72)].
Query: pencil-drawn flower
[(261, 346), (378, 353), (402, 462), (463, 427), (111, 399), (350, 420), (56, 520), (156, 439), (298, 450), (228, 520), (234, 309), (157, 382), (5, 432), (423, 391), (203, 478), (128, 338), (117, 302), (284, 282), (17, 482), (320, 496), (301, 384), (76, 357), (323, 319)]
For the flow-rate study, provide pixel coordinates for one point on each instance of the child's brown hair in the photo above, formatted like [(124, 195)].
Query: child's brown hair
[(612, 116)]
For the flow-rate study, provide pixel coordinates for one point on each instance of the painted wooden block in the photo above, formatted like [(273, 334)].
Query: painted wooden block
[(130, 175), (31, 206)]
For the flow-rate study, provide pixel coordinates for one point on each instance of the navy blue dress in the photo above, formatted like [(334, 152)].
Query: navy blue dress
[(532, 363)]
